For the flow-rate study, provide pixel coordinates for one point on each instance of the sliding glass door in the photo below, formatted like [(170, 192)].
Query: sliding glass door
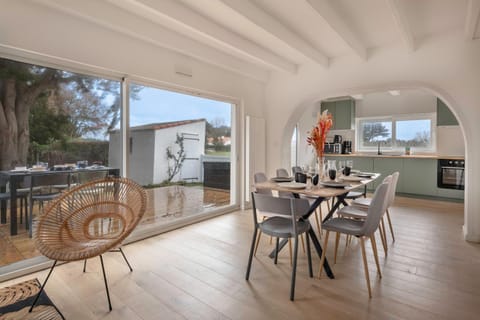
[(179, 148)]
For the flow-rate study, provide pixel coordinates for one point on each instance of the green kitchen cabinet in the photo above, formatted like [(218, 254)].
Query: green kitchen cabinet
[(385, 167), (445, 117), (419, 176), (343, 113)]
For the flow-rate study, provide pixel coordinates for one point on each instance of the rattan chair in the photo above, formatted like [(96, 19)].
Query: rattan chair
[(80, 225)]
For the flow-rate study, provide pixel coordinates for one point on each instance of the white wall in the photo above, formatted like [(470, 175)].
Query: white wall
[(384, 104), (141, 156), (193, 149), (448, 65)]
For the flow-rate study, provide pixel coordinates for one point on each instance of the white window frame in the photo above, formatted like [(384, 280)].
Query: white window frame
[(393, 119)]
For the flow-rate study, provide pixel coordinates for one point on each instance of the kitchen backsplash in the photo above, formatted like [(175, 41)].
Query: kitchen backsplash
[(449, 140)]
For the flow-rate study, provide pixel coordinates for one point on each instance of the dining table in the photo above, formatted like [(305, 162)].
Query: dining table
[(16, 177), (325, 189)]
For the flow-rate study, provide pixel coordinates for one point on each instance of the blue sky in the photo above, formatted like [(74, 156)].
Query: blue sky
[(155, 105), (407, 130)]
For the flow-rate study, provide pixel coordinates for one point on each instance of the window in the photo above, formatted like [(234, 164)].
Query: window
[(397, 132), (293, 147)]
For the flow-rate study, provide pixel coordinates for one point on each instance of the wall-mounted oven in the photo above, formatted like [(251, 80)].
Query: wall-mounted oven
[(451, 174)]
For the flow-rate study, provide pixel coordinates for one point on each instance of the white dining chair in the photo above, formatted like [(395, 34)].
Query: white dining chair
[(360, 228)]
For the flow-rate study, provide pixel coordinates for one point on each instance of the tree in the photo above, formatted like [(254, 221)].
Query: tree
[(21, 85), (375, 130), (175, 159)]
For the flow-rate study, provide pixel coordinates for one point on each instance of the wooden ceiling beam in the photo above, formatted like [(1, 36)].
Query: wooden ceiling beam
[(402, 24), (472, 20), (271, 25), (329, 14)]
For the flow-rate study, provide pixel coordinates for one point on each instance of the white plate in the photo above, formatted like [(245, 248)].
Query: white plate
[(365, 174), (351, 178), (334, 184), (293, 185), (282, 179)]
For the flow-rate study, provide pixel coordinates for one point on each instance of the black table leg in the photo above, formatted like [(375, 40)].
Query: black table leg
[(312, 234), (13, 205), (3, 207), (340, 200), (318, 247)]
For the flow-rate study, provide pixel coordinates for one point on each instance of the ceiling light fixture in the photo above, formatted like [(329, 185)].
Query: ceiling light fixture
[(394, 92)]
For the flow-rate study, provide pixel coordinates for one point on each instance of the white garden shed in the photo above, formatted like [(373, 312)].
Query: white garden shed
[(147, 150)]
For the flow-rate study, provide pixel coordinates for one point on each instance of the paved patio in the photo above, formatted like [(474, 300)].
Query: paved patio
[(165, 205)]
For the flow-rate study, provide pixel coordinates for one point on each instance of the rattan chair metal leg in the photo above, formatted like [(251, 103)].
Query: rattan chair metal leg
[(42, 287), (84, 265), (106, 284), (125, 258)]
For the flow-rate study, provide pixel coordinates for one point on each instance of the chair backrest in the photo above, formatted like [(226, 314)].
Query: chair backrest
[(291, 207), (80, 224), (282, 173), (377, 208), (86, 176), (296, 169), (393, 188), (258, 178), (49, 179)]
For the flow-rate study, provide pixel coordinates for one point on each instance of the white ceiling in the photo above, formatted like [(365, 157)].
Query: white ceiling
[(277, 35)]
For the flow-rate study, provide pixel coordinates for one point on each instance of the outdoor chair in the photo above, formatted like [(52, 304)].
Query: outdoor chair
[(42, 189), (287, 223), (361, 229), (79, 226)]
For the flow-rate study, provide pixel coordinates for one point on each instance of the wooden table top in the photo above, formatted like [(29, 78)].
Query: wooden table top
[(318, 190)]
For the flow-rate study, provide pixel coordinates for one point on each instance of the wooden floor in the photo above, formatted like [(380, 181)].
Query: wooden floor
[(197, 272)]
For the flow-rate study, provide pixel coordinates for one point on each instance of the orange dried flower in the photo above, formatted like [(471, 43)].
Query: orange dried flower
[(318, 135)]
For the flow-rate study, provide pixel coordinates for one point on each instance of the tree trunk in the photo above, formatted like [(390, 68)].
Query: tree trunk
[(8, 126)]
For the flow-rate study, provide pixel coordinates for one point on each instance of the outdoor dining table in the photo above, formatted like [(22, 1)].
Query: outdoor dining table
[(15, 178), (319, 193)]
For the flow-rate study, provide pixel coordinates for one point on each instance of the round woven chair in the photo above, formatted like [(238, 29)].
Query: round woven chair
[(89, 220)]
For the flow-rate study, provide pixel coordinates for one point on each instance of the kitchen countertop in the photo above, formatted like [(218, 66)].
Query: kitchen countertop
[(397, 156)]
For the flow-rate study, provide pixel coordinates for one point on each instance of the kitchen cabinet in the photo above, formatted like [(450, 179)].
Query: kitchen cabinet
[(445, 117), (386, 167), (343, 113), (418, 176)]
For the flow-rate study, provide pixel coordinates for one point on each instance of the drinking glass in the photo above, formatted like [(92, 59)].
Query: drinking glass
[(341, 166), (332, 169), (348, 167)]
